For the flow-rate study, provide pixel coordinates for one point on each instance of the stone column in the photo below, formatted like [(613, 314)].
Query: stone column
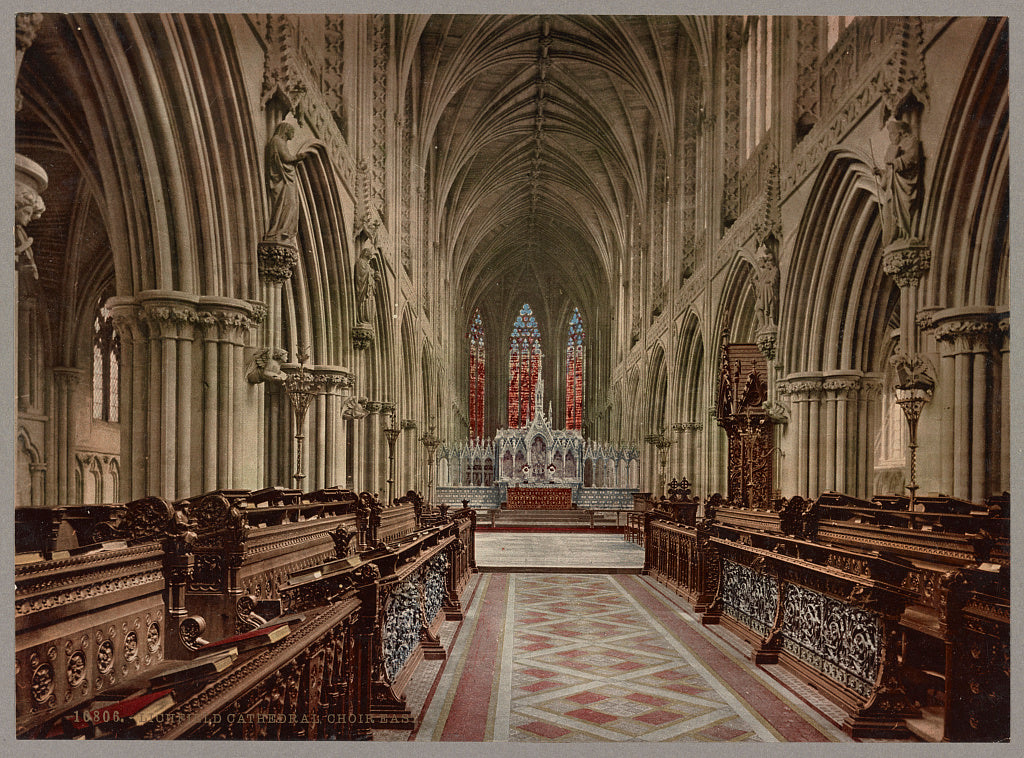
[(841, 442), (335, 382), (806, 392), (1003, 341), (132, 380), (65, 380), (677, 463), (867, 425), (967, 337), (373, 440), (176, 442)]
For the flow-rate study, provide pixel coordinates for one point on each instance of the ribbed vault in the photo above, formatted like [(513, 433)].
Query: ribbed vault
[(538, 135)]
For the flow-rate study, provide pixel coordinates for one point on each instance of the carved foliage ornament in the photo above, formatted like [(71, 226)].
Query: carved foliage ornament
[(147, 518)]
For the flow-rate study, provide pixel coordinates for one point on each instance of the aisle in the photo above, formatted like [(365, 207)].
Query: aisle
[(573, 658), (542, 551)]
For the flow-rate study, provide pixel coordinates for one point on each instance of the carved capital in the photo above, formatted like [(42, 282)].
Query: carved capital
[(408, 423), (169, 322), (842, 386), (804, 389), (906, 261), (372, 406), (333, 380), (66, 378), (277, 260), (362, 337), (966, 335)]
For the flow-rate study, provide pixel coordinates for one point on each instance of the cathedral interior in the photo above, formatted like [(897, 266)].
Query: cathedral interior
[(322, 318)]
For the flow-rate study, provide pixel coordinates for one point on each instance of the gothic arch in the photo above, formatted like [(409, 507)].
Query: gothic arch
[(836, 298), (968, 211)]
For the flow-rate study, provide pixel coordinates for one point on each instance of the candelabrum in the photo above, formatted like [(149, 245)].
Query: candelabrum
[(911, 398), (663, 443), (431, 442), (391, 433), (300, 386)]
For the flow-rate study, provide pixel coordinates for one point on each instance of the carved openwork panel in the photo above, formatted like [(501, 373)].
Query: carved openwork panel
[(434, 575), (750, 597), (842, 641), (400, 629)]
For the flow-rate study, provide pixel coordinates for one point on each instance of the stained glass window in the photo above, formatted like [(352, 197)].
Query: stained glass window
[(106, 364), (476, 376), (574, 370), (524, 367)]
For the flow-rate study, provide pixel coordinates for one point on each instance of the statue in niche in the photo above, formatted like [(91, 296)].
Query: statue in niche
[(766, 283), (365, 281), (899, 182), (280, 166)]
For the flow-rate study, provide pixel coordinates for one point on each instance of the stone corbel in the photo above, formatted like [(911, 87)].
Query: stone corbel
[(265, 365), (30, 181), (354, 408)]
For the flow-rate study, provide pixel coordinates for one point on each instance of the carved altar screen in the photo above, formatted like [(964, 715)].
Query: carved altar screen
[(524, 366), (476, 377), (574, 365), (742, 389)]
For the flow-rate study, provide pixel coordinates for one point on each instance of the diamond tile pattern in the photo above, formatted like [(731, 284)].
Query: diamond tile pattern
[(554, 657), (606, 674)]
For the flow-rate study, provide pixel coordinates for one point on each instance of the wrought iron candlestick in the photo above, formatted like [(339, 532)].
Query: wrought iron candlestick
[(663, 443), (391, 433), (912, 399), (914, 387), (431, 442), (300, 386)]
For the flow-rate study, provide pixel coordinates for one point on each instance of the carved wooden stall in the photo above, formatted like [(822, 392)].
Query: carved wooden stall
[(742, 389), (263, 615), (901, 617)]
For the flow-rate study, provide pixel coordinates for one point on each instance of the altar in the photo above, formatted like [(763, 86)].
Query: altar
[(537, 466), (539, 498)]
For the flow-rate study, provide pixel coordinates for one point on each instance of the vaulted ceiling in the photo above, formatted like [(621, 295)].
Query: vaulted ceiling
[(540, 134)]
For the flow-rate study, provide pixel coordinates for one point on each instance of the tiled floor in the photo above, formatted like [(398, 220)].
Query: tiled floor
[(580, 553), (571, 657)]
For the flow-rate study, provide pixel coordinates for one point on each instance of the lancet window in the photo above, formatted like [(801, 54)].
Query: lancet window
[(106, 364), (476, 376), (575, 358), (524, 367)]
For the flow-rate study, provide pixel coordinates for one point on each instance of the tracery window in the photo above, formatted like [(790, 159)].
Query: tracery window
[(574, 371), (106, 365), (476, 376), (524, 367), (757, 80)]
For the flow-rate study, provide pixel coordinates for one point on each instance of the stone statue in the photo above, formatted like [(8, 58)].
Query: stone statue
[(28, 206), (365, 281), (899, 182), (280, 162), (766, 283)]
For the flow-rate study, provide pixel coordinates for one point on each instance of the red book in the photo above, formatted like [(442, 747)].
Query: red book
[(253, 638)]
